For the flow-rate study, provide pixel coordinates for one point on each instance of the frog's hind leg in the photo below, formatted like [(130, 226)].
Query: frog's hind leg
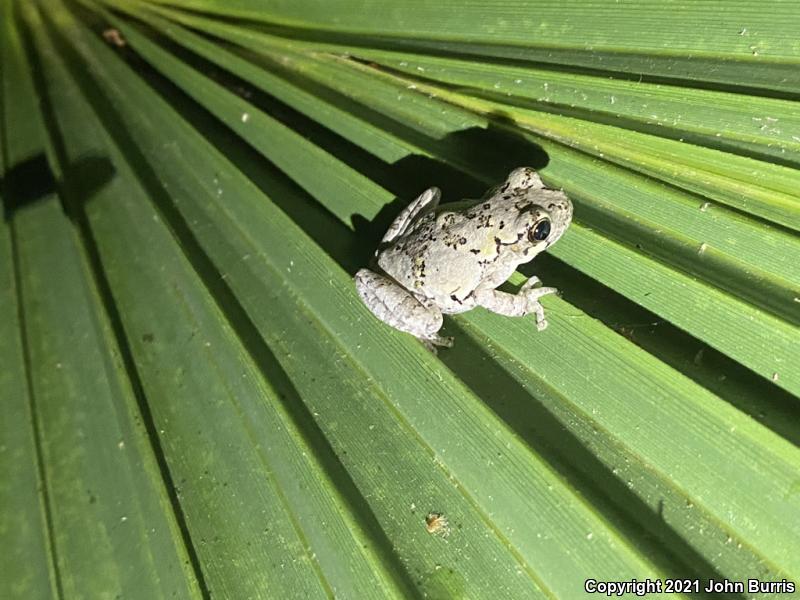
[(427, 200), (396, 306)]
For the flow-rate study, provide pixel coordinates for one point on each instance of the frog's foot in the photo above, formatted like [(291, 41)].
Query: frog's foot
[(525, 302), (533, 293), (438, 340), (396, 306)]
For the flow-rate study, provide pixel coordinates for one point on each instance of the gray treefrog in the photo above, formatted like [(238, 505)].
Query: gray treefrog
[(447, 260)]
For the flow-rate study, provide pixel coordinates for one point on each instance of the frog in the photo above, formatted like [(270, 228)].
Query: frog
[(436, 260)]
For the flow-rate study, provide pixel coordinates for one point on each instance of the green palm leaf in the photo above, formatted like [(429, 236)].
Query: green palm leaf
[(197, 404)]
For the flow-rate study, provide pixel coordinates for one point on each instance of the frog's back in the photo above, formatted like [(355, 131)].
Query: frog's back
[(442, 258)]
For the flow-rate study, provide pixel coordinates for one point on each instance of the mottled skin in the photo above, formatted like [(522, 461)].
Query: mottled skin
[(449, 260)]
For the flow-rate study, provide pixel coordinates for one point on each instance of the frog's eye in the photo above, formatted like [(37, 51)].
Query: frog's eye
[(540, 230)]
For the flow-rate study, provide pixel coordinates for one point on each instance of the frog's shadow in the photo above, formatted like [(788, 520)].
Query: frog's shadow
[(494, 152), (31, 181)]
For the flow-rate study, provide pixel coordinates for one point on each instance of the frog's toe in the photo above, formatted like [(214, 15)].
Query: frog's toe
[(535, 307), (429, 346), (533, 294), (532, 282), (443, 341), (436, 340)]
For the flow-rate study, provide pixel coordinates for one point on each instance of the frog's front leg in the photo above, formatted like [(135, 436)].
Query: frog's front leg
[(524, 302), (397, 307)]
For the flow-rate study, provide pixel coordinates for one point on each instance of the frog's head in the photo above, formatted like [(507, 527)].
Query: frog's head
[(542, 220)]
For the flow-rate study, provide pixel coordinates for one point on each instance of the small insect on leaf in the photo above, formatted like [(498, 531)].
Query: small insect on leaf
[(114, 37), (436, 524)]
